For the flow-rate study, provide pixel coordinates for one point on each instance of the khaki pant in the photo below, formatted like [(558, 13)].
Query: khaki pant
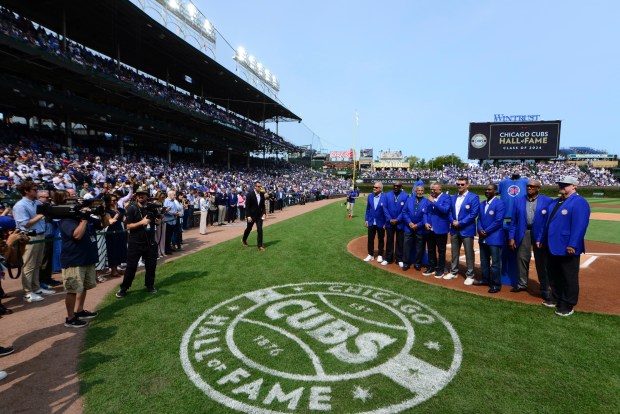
[(33, 257), (203, 222)]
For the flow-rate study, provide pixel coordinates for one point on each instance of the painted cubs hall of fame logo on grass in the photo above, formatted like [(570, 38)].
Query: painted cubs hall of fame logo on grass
[(335, 347)]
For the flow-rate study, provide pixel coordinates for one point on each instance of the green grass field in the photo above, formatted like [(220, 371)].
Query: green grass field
[(515, 357)]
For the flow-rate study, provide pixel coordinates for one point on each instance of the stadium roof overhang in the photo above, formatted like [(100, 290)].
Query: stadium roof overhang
[(118, 28)]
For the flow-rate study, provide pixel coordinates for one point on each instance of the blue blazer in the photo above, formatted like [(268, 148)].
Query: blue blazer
[(377, 214), (467, 214), (492, 222), (568, 226), (439, 214), (393, 209), (518, 225), (411, 215)]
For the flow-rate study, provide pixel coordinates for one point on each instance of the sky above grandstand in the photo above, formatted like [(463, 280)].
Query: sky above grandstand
[(418, 73)]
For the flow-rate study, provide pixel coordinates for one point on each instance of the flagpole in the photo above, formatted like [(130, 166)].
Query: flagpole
[(354, 149)]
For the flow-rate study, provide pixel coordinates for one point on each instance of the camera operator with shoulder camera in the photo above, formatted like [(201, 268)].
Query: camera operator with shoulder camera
[(28, 220), (140, 221), (78, 258)]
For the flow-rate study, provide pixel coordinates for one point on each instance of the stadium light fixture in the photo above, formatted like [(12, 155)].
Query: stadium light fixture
[(188, 17), (257, 69), (191, 10)]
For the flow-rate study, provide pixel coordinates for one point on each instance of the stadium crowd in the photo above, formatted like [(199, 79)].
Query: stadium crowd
[(546, 172), (23, 29)]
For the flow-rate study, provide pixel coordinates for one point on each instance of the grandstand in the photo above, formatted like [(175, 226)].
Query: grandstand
[(108, 68)]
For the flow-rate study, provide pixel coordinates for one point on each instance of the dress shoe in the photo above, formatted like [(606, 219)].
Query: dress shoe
[(518, 289), (418, 268), (480, 283), (261, 248), (406, 267), (244, 243), (494, 290)]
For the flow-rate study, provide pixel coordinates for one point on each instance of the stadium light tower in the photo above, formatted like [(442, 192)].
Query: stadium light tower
[(255, 72), (190, 23)]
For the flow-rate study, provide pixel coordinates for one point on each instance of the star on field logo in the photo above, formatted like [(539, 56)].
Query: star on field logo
[(333, 347)]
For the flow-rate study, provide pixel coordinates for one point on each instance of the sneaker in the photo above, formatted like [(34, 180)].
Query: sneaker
[(151, 290), (428, 272), (450, 276), (384, 263), (75, 323), (6, 351), (400, 264), (32, 297), (438, 275), (84, 314), (45, 292), (548, 303), (469, 281), (141, 263), (121, 293), (379, 259), (368, 258), (564, 312), (3, 375)]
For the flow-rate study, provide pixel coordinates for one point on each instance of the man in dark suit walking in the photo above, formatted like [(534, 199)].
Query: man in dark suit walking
[(255, 213)]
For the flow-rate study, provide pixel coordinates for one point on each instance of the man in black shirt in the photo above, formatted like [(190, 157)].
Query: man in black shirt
[(140, 243)]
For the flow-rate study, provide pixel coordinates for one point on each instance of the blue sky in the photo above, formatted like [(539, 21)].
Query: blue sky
[(418, 72)]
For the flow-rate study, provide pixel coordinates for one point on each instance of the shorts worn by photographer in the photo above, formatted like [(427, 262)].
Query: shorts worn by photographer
[(78, 259)]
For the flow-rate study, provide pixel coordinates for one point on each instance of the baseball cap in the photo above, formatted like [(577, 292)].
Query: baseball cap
[(568, 179), (7, 223)]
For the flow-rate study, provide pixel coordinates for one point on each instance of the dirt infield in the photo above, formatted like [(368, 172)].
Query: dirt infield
[(605, 216), (598, 283), (43, 370)]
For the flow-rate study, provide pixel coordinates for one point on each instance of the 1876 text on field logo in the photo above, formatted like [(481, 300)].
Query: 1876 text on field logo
[(341, 348)]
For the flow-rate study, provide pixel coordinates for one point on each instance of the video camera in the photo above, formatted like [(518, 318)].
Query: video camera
[(75, 210), (153, 210)]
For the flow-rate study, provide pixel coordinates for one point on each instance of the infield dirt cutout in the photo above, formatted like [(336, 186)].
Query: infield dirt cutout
[(336, 347)]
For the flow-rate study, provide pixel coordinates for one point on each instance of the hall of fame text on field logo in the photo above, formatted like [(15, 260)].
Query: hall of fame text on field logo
[(331, 347)]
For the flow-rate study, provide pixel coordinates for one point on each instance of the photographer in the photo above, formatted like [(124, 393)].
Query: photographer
[(27, 220), (78, 258), (140, 221)]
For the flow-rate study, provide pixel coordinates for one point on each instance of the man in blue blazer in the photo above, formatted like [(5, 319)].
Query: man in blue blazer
[(527, 225), (491, 239), (464, 211), (563, 237), (438, 223), (375, 222), (394, 228), (414, 216)]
